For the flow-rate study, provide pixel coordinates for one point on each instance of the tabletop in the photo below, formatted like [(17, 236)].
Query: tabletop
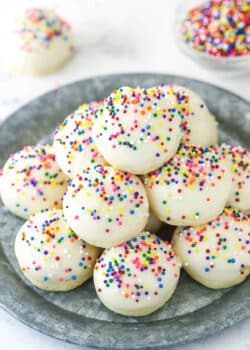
[(111, 37)]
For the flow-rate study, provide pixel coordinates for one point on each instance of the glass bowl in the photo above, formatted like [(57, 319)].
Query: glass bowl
[(233, 63)]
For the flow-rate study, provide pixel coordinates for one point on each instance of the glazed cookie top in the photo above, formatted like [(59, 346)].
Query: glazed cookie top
[(106, 206), (137, 130), (138, 273), (192, 188), (197, 123), (73, 143), (48, 251), (38, 29), (219, 247), (240, 171), (32, 181)]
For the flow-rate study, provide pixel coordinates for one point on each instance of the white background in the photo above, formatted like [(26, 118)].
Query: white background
[(111, 36)]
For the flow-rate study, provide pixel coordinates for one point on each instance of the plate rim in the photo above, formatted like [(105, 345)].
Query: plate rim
[(94, 341)]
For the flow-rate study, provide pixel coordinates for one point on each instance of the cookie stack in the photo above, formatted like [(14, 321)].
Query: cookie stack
[(127, 165)]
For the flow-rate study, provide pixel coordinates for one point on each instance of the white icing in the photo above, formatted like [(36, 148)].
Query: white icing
[(216, 254), (73, 143), (239, 165), (32, 181), (50, 254), (200, 127), (138, 277), (191, 189), (105, 206), (137, 130), (39, 42)]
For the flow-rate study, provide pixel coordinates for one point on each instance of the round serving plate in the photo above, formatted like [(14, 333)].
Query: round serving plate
[(78, 316)]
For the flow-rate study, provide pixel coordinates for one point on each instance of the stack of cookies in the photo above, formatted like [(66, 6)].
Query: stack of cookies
[(117, 172)]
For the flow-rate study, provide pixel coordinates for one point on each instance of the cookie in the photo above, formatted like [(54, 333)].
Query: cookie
[(192, 188), (216, 254), (73, 143), (198, 124), (50, 255), (239, 165), (137, 130), (32, 181), (39, 42), (105, 206), (137, 277)]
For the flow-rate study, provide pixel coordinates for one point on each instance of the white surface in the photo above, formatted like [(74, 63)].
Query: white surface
[(111, 36)]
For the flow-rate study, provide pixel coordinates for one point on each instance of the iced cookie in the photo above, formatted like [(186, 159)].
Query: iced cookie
[(192, 188), (106, 207), (240, 171), (39, 42), (137, 130), (199, 126), (50, 254), (32, 181), (216, 254), (137, 277), (73, 143)]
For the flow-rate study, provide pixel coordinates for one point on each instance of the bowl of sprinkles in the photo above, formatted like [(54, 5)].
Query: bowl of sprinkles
[(216, 32)]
